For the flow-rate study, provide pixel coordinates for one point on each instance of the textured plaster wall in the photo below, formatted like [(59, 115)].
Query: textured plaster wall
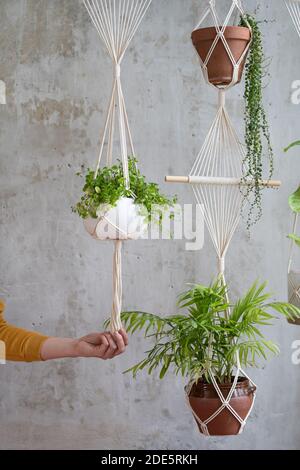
[(57, 280)]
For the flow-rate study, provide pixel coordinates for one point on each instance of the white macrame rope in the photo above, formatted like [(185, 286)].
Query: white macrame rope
[(115, 321), (221, 154), (293, 7), (220, 36), (292, 243), (225, 401), (294, 288), (116, 22)]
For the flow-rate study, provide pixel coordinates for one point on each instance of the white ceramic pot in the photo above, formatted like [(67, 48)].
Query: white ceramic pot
[(122, 222)]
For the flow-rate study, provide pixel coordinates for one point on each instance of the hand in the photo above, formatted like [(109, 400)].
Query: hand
[(99, 345), (102, 345)]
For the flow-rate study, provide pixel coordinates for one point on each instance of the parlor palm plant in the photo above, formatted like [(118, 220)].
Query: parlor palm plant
[(203, 344), (210, 333)]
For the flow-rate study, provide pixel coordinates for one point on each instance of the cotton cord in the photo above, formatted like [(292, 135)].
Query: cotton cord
[(221, 162), (115, 322), (116, 22), (225, 402), (292, 243), (293, 277), (293, 7), (220, 158), (236, 6)]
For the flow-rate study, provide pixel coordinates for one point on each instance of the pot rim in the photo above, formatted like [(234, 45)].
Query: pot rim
[(241, 383), (231, 32)]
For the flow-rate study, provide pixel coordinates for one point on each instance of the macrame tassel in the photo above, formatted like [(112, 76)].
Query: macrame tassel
[(115, 322)]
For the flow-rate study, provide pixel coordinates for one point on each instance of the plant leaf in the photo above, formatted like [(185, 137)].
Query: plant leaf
[(293, 144), (295, 238), (294, 201)]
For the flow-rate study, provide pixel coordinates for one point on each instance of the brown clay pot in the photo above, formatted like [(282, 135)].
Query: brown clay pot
[(205, 402), (219, 67), (294, 322)]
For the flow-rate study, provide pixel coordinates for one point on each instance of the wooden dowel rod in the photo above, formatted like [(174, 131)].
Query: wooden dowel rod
[(211, 180)]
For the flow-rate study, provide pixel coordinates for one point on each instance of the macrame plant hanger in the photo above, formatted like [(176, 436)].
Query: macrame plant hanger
[(116, 22), (294, 276), (216, 178), (293, 7)]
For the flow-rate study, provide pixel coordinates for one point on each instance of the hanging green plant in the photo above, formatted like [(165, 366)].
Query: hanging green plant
[(256, 122), (203, 343), (210, 333), (109, 186)]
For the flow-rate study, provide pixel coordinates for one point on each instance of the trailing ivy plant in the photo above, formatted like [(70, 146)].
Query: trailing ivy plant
[(109, 186), (256, 122), (294, 199), (210, 332)]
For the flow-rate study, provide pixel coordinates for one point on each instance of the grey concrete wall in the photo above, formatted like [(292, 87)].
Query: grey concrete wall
[(57, 280)]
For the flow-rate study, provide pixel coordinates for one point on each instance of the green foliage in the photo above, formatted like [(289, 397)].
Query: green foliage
[(210, 333), (293, 144), (295, 238), (256, 123), (294, 201), (109, 186)]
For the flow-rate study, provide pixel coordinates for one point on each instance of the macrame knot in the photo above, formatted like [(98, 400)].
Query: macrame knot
[(221, 264), (222, 97), (117, 71)]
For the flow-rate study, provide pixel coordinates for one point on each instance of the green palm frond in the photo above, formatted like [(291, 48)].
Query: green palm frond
[(203, 337)]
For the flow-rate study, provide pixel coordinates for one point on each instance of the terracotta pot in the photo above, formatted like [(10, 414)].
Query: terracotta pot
[(294, 322), (219, 67), (205, 402)]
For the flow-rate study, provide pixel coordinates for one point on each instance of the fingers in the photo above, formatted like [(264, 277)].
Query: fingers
[(120, 343), (103, 345), (112, 347), (124, 336)]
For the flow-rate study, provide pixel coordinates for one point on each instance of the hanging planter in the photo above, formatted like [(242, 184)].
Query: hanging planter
[(225, 50), (210, 344), (217, 57), (122, 222), (108, 205), (111, 211), (205, 402), (294, 276), (294, 293)]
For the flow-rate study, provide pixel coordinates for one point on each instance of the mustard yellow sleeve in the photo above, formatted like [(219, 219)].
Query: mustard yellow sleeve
[(20, 345)]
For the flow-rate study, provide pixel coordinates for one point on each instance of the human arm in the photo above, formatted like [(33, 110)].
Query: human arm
[(28, 346)]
